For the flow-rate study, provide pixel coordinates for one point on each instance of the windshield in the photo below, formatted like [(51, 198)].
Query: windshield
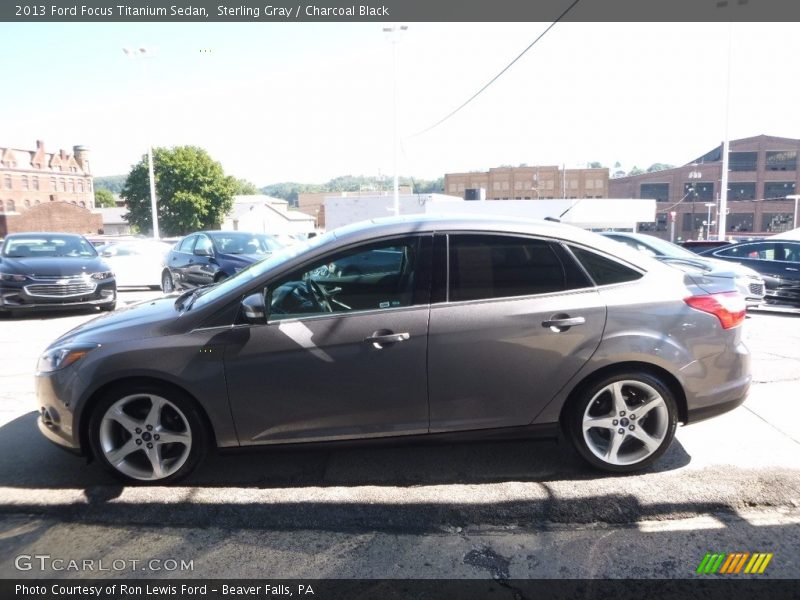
[(234, 242), (243, 278), (41, 246)]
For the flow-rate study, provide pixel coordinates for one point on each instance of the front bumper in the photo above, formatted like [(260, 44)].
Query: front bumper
[(56, 419), (20, 299)]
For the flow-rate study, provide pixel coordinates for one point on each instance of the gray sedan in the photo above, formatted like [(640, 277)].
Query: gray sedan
[(480, 328)]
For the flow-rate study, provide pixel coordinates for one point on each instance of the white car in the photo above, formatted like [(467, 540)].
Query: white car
[(136, 263)]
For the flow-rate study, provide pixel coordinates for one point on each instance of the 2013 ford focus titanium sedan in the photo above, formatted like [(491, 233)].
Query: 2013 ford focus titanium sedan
[(483, 327)]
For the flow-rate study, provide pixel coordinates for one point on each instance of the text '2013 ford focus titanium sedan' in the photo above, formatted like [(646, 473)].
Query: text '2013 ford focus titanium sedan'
[(480, 327)]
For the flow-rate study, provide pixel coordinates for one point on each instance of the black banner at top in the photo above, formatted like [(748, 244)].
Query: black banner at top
[(279, 11)]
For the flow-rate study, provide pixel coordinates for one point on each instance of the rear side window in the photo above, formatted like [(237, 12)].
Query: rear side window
[(603, 270), (494, 266)]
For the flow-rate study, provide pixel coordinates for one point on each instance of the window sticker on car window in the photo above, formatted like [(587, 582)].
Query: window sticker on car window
[(384, 304)]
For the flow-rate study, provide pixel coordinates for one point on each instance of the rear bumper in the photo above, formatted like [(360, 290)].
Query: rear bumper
[(706, 412), (718, 383)]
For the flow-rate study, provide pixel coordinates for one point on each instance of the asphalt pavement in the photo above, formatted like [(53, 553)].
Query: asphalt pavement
[(519, 509)]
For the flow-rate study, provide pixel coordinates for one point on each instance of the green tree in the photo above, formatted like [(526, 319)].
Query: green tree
[(659, 167), (192, 189), (635, 171), (104, 198), (595, 165), (112, 183), (246, 188)]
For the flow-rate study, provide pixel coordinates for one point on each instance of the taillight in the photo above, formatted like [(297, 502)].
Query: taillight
[(728, 307)]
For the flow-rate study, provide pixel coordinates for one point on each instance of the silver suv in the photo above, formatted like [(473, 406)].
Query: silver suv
[(480, 327)]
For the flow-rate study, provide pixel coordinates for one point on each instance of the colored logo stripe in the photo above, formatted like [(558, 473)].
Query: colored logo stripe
[(727, 564)]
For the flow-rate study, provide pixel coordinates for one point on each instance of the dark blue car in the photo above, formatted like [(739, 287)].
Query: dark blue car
[(208, 257)]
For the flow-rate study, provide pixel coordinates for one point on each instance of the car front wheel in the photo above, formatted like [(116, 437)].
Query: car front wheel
[(167, 285), (624, 422), (145, 434)]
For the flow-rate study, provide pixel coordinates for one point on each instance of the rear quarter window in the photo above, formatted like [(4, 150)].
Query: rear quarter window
[(603, 270)]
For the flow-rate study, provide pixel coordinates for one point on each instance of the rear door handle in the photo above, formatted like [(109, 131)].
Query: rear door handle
[(378, 339), (559, 323)]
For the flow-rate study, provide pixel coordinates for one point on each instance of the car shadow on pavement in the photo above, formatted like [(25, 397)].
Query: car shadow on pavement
[(28, 460)]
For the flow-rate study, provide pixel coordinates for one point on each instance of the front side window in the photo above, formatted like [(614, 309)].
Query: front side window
[(760, 251), (495, 266), (204, 245), (186, 244), (375, 277)]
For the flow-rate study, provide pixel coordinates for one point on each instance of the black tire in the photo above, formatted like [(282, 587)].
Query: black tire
[(109, 307), (659, 423), (167, 285), (194, 422), (221, 276)]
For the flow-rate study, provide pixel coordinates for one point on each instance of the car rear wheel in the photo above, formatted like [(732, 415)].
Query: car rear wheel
[(144, 434), (167, 285), (623, 422)]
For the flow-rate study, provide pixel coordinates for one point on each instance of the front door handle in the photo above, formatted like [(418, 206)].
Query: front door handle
[(379, 339), (560, 323)]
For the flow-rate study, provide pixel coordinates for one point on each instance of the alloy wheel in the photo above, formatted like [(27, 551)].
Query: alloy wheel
[(145, 437), (625, 422)]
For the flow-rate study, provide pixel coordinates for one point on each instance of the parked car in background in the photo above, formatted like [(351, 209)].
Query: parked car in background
[(776, 260), (747, 281), (136, 263), (53, 271), (210, 256), (484, 327), (698, 246)]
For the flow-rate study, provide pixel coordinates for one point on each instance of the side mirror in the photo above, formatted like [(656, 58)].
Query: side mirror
[(203, 252), (255, 308)]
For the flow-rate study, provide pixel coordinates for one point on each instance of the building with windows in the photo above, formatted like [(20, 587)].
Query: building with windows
[(528, 183), (30, 179), (762, 171)]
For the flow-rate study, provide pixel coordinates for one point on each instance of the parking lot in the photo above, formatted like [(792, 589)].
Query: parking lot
[(521, 509)]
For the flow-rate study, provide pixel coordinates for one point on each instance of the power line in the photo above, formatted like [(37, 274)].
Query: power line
[(496, 77)]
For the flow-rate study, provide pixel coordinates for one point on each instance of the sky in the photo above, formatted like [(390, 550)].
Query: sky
[(308, 101)]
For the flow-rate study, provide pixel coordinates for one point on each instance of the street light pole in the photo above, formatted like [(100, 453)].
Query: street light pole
[(693, 175), (394, 32), (143, 53), (709, 205), (794, 197)]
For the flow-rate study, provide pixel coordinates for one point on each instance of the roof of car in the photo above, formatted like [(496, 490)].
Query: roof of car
[(435, 223)]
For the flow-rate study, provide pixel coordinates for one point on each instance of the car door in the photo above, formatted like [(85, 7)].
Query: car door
[(202, 265), (339, 357), (519, 320), (179, 260)]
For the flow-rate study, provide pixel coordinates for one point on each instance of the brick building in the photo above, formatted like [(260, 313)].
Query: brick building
[(528, 183), (31, 178), (762, 171)]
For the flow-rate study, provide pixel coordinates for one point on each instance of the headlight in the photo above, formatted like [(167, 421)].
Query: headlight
[(63, 356), (12, 277), (102, 275)]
